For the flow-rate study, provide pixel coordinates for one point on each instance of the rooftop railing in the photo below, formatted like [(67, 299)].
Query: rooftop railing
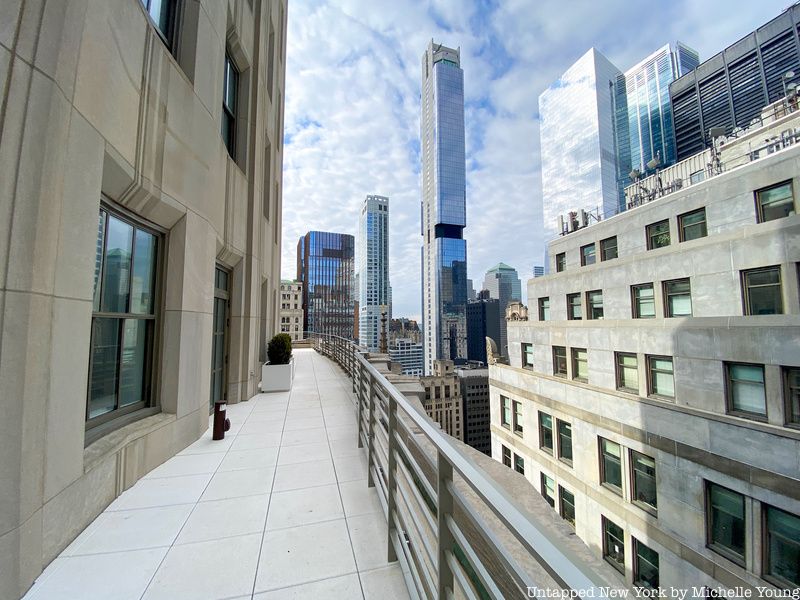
[(444, 513)]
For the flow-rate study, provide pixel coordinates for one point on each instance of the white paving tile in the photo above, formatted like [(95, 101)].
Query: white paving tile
[(249, 459), (235, 484), (369, 535), (304, 436), (350, 468), (302, 507), (205, 445), (293, 424), (162, 492), (386, 583), (191, 464), (346, 587), (256, 441), (302, 453), (218, 519), (359, 499), (304, 475), (304, 554), (119, 575), (209, 570)]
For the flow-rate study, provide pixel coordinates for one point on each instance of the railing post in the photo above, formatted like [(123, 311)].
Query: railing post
[(444, 508), (391, 476), (371, 431)]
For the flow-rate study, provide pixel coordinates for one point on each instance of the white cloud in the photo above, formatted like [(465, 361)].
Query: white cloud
[(352, 108)]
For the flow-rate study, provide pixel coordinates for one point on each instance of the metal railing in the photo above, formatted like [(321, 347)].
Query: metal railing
[(444, 544)]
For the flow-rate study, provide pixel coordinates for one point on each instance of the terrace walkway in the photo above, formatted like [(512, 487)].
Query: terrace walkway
[(279, 509)]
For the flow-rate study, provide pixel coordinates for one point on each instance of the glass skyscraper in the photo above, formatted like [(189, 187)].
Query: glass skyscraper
[(325, 268), (372, 266), (444, 250), (643, 111), (578, 154), (503, 283)]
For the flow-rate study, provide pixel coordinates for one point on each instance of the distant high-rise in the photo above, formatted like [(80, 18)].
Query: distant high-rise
[(483, 320), (732, 87), (372, 266), (474, 385), (538, 270), (325, 268), (502, 282), (471, 295), (444, 250), (643, 111), (579, 167), (408, 354)]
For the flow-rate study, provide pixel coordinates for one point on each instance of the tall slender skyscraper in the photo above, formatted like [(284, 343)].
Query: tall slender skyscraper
[(502, 282), (444, 250), (372, 266)]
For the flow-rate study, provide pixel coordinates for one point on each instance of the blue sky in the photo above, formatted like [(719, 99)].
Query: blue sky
[(352, 108)]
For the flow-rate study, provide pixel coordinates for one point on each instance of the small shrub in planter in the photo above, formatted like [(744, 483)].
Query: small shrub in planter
[(279, 349)]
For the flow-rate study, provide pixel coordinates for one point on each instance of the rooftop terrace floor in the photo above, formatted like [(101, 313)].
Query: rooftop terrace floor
[(278, 509)]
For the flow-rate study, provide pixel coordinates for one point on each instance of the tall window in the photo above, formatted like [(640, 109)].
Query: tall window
[(519, 464), (746, 393), (661, 378), (566, 501), (561, 262), (658, 235), (643, 480), (791, 393), (163, 13), (643, 301), (782, 547), (527, 356), (580, 365), (505, 411), (559, 361), (230, 99), (123, 318), (692, 225), (574, 307), (517, 417), (774, 202), (564, 441), (587, 255), (594, 304), (627, 372), (549, 490), (726, 522), (611, 465), (506, 456), (762, 291), (645, 566), (614, 545), (608, 248), (546, 432), (544, 309), (677, 298)]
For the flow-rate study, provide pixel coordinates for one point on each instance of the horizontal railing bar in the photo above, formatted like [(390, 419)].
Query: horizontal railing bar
[(405, 567), (458, 572), (425, 539), (424, 577), (417, 470), (473, 559), (426, 511)]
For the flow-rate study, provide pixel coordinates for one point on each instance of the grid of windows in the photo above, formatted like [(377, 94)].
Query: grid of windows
[(588, 256), (658, 235), (544, 309), (644, 303), (692, 225), (594, 304), (746, 391), (546, 432), (559, 361), (564, 441), (762, 291), (627, 372), (608, 248), (774, 202), (574, 312), (123, 318), (614, 544), (580, 366), (677, 298), (660, 376)]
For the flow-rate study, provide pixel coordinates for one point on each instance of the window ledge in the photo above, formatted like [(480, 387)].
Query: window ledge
[(117, 439)]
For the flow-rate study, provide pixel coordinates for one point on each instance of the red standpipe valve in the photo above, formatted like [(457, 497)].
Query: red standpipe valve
[(221, 424)]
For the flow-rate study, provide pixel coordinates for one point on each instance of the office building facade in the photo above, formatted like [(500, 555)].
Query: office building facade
[(730, 89), (443, 402), (474, 385), (325, 263), (291, 311), (444, 250), (483, 320), (643, 111), (128, 300), (372, 267), (653, 396), (409, 355), (502, 282)]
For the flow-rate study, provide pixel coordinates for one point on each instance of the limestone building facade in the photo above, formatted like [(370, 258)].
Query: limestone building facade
[(653, 395), (291, 310), (140, 211), (443, 401)]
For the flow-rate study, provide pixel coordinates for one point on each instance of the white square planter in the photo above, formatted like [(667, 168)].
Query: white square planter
[(277, 378)]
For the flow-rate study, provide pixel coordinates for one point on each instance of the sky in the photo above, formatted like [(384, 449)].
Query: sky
[(352, 109)]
